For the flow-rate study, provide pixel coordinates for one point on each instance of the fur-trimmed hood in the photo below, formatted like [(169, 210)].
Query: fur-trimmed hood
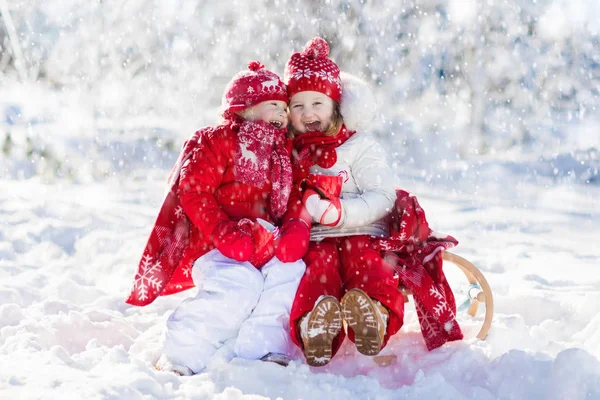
[(358, 105)]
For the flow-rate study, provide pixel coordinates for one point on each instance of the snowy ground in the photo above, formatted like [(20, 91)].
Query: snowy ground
[(69, 247), (68, 253)]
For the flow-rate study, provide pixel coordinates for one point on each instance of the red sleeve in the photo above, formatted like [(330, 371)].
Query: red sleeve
[(202, 174)]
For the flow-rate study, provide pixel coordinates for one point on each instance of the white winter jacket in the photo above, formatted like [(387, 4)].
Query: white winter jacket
[(368, 191)]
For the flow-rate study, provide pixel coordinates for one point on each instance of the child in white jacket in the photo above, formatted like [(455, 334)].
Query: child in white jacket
[(345, 278)]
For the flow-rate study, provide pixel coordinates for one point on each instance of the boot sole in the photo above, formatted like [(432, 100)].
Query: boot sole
[(324, 324), (276, 358), (360, 315)]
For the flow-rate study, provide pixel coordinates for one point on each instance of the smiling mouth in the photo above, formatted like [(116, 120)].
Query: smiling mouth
[(312, 126), (276, 124)]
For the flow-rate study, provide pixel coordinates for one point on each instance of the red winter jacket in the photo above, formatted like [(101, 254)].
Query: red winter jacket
[(210, 194), (203, 192)]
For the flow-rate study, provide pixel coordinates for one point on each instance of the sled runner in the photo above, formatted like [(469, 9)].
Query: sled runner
[(479, 291)]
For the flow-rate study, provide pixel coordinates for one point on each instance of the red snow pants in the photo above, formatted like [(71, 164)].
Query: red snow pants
[(336, 265)]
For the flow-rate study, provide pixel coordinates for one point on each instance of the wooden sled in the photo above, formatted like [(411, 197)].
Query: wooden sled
[(479, 292)]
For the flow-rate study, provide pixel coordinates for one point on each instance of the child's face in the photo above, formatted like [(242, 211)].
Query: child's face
[(311, 111), (273, 112)]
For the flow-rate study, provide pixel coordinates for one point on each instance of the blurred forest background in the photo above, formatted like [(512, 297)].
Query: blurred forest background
[(90, 89)]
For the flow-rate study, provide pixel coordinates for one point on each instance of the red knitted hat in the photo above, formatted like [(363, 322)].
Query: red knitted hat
[(248, 88), (312, 70)]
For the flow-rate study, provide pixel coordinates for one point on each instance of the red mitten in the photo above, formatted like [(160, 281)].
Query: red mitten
[(329, 185), (293, 243), (234, 239), (263, 242), (324, 212)]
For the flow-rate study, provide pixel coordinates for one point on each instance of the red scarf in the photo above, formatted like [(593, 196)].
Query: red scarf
[(317, 148), (262, 154), (415, 252)]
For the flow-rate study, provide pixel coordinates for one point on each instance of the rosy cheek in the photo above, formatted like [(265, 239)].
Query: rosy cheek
[(296, 122)]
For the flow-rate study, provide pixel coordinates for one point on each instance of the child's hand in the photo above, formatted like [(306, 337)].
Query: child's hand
[(322, 211), (293, 243), (234, 239)]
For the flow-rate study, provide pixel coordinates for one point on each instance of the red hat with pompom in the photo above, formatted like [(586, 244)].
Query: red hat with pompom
[(248, 88), (312, 70)]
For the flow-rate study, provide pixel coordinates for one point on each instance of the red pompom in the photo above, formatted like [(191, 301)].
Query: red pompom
[(316, 48), (326, 157), (255, 65)]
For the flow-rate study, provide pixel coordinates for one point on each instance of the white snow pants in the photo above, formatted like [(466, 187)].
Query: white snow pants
[(234, 299)]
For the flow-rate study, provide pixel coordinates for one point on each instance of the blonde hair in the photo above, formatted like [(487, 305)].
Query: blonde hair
[(336, 120)]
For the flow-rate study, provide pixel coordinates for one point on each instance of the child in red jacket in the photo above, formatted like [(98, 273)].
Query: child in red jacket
[(228, 177)]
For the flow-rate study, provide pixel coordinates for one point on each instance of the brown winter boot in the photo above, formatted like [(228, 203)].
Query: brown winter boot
[(368, 320), (318, 328)]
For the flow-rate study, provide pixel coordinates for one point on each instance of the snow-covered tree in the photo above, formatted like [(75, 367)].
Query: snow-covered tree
[(454, 77)]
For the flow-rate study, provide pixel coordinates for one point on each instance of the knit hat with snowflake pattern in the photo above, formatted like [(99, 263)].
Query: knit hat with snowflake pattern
[(312, 70), (248, 88)]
